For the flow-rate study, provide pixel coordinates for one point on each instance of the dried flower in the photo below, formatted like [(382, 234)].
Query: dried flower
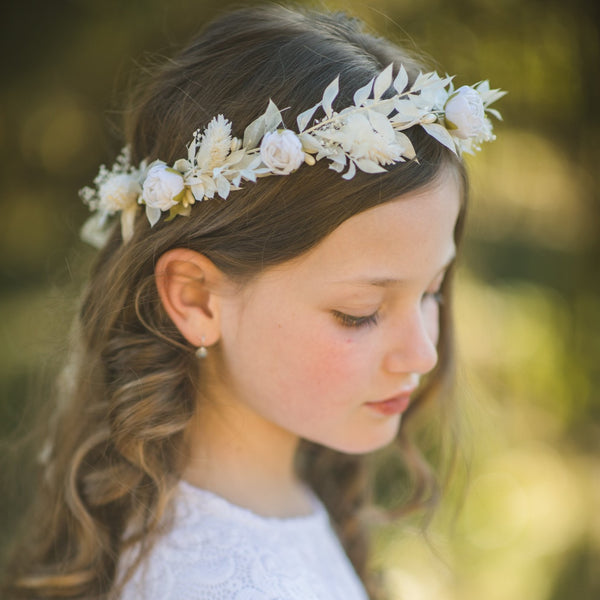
[(465, 115), (281, 151), (215, 144), (119, 192), (162, 187), (367, 135)]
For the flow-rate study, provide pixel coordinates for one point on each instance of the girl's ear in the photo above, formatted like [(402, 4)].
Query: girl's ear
[(189, 285)]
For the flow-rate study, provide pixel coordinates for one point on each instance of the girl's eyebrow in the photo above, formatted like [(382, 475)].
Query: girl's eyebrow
[(388, 281)]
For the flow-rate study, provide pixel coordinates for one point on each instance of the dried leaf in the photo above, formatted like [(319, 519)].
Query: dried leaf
[(234, 158), (494, 112), (152, 214), (329, 95), (210, 188), (385, 107), (309, 143), (362, 94), (96, 230), (182, 165), (382, 82), (339, 157), (272, 117), (407, 111), (440, 134), (248, 175), (491, 96), (254, 132), (304, 118), (404, 142), (351, 172), (223, 186), (401, 80), (369, 166), (380, 124)]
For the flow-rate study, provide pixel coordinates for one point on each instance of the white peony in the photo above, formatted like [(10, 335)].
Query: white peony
[(119, 192), (162, 185), (281, 152), (465, 115)]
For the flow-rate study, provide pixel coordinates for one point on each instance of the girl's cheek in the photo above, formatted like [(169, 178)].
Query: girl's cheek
[(333, 358)]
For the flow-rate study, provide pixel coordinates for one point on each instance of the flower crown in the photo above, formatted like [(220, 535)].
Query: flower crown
[(365, 136)]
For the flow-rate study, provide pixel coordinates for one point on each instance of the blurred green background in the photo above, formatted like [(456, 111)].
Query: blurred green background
[(529, 285)]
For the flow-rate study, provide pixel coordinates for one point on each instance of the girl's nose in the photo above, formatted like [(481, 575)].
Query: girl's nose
[(413, 347)]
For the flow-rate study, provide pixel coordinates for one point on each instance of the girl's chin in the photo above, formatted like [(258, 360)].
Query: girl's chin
[(374, 439)]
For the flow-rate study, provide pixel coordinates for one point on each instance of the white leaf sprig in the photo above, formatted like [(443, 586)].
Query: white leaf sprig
[(366, 136)]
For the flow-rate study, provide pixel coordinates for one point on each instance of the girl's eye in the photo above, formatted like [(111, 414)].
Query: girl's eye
[(437, 296), (352, 321)]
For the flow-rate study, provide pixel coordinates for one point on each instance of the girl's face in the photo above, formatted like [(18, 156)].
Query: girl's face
[(315, 347)]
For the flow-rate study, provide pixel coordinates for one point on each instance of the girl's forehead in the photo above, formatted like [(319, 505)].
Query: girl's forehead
[(411, 233)]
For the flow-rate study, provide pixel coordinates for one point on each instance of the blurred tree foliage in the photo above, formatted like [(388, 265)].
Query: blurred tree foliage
[(529, 294)]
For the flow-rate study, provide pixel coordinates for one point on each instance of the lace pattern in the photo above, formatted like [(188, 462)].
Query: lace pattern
[(219, 551)]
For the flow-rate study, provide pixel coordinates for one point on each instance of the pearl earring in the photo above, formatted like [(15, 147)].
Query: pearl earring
[(202, 351)]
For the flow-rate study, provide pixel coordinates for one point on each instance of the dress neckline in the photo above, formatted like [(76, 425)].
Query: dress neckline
[(210, 502)]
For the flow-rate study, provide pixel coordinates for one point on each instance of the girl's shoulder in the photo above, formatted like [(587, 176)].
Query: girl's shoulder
[(215, 549)]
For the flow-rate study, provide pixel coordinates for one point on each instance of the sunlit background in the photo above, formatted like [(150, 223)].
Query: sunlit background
[(529, 286)]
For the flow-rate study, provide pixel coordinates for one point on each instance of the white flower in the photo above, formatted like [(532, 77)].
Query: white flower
[(119, 192), (163, 188), (359, 139), (162, 185), (465, 115), (281, 151), (215, 143)]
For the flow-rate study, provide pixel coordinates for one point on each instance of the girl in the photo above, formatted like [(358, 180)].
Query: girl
[(272, 298)]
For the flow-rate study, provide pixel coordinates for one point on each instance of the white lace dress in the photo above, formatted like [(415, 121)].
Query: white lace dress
[(218, 551)]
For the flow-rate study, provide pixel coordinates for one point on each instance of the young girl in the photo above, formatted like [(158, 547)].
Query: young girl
[(270, 299)]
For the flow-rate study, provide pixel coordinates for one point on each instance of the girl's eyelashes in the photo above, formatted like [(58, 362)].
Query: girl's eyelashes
[(356, 322), (437, 296)]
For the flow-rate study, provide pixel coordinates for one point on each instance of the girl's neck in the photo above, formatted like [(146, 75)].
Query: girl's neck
[(246, 460)]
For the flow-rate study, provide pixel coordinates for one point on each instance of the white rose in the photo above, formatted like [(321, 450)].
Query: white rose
[(281, 151), (465, 115), (162, 185), (119, 192)]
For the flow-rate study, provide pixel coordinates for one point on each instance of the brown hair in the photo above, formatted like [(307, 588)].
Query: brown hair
[(117, 447)]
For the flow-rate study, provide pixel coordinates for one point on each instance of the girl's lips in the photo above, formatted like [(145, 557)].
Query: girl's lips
[(393, 406)]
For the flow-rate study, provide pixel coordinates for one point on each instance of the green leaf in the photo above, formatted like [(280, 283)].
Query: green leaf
[(178, 209)]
